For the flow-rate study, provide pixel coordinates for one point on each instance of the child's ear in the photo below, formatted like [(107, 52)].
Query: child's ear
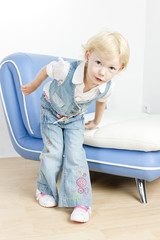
[(121, 68), (87, 54)]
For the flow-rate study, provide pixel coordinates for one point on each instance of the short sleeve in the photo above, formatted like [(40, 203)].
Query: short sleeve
[(58, 69)]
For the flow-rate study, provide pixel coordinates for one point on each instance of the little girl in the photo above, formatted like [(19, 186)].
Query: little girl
[(75, 85)]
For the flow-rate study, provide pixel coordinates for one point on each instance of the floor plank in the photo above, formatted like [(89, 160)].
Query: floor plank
[(117, 211)]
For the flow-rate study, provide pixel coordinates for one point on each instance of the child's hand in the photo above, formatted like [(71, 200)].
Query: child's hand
[(91, 125), (28, 88)]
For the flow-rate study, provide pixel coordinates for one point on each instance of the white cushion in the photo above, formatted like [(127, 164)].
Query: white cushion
[(130, 131)]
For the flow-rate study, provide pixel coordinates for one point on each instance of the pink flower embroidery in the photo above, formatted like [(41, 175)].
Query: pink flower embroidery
[(80, 190), (81, 182), (49, 143)]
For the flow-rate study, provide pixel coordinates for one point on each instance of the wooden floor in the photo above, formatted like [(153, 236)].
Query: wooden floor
[(117, 211)]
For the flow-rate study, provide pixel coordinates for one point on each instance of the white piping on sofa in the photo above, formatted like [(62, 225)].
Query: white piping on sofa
[(9, 124), (124, 166), (24, 101)]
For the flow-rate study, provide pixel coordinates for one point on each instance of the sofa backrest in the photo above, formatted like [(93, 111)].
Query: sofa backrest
[(21, 68)]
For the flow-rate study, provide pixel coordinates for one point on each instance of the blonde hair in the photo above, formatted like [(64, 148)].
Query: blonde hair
[(110, 45)]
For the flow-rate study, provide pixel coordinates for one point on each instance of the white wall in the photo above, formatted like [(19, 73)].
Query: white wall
[(60, 27), (151, 90)]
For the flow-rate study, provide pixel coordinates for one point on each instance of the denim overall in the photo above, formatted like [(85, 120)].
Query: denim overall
[(62, 129)]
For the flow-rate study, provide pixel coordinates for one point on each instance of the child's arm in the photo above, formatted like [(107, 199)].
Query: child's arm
[(32, 86), (100, 107)]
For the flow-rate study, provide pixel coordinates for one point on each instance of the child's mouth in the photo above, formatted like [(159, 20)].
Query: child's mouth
[(98, 79)]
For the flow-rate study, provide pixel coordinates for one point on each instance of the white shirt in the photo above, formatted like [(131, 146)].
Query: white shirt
[(59, 70)]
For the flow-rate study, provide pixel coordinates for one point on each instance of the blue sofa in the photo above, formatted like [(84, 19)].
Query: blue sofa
[(22, 115)]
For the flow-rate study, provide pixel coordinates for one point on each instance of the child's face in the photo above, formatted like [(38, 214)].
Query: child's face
[(100, 70)]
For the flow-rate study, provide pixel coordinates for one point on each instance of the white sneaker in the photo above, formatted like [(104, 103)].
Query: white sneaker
[(45, 200), (80, 214)]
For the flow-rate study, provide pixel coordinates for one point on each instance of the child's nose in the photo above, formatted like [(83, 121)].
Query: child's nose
[(102, 71)]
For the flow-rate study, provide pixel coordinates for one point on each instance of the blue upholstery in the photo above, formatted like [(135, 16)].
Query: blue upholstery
[(23, 113)]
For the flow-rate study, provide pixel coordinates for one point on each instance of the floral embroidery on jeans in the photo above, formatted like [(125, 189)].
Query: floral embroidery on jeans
[(48, 143), (45, 150), (75, 195), (80, 172), (81, 182), (86, 190), (80, 189)]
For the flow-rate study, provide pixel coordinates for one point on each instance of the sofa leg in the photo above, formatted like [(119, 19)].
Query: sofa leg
[(142, 190)]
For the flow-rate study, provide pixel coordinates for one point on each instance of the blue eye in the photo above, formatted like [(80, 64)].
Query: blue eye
[(112, 68), (98, 62)]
